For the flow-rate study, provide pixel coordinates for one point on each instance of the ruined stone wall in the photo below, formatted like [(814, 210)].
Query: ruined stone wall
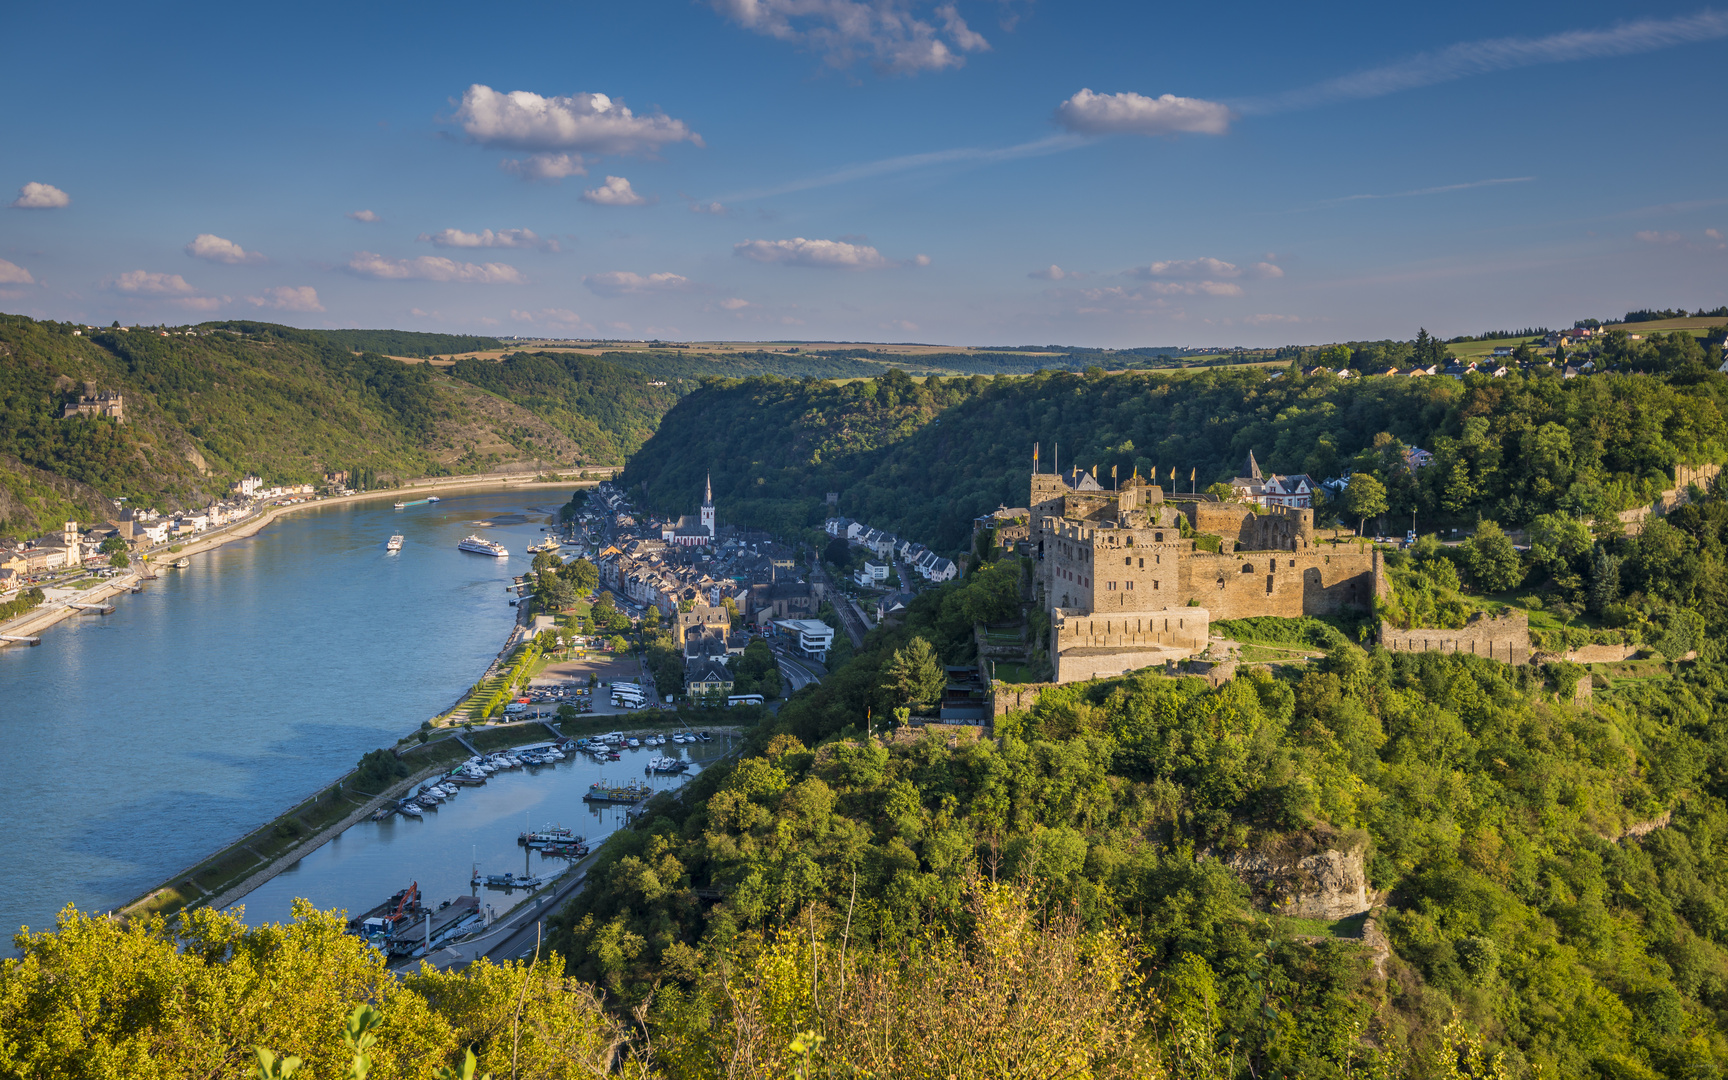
[(1285, 584), (1180, 627), (1282, 528), (1506, 638), (1015, 697)]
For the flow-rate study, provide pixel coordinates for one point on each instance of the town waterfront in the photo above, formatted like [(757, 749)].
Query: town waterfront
[(142, 741)]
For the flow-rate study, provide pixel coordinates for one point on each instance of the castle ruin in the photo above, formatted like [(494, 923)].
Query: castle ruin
[(1125, 588)]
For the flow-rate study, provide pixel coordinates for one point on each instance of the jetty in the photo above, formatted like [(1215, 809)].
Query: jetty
[(93, 609), (10, 639)]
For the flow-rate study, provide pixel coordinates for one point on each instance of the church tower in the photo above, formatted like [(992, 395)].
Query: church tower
[(708, 507)]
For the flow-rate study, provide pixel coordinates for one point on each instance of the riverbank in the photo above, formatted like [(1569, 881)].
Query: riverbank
[(32, 623)]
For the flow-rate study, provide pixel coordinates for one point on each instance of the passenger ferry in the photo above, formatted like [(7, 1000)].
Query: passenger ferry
[(481, 546), (394, 544)]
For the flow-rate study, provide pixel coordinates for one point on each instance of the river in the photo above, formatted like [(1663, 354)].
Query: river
[(141, 742)]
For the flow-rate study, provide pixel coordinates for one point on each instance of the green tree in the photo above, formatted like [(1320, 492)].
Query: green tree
[(547, 562), (651, 621), (1493, 563), (1363, 499), (618, 644), (119, 559), (113, 546), (583, 574), (914, 675), (1221, 490), (838, 552)]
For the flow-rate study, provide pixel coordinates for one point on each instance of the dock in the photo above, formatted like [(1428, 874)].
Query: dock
[(9, 639), (93, 609)]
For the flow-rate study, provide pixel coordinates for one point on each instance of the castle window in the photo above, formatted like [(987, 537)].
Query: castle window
[(1292, 562), (1154, 583), (1111, 585), (1247, 568), (1130, 586), (1158, 537), (1129, 561), (1142, 564)]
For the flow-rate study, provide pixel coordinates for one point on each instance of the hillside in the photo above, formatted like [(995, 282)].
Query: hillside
[(205, 407), (924, 458)]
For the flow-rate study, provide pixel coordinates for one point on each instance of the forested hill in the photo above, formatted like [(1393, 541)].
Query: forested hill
[(206, 406), (924, 457)]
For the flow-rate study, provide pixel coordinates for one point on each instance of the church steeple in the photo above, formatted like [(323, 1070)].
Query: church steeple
[(708, 490), (708, 506), (1253, 467)]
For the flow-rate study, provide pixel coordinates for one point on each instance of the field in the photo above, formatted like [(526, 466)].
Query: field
[(1698, 327)]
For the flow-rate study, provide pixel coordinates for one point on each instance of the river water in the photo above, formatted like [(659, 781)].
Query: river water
[(141, 742)]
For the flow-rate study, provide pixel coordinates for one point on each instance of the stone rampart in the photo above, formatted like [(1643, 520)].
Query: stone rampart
[(1505, 638), (1015, 697), (1289, 584)]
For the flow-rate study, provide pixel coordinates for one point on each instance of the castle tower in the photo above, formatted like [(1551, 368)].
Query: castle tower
[(708, 506)]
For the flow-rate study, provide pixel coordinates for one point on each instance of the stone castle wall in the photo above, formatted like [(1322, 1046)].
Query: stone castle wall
[(1183, 628), (1244, 585), (1280, 529), (1505, 638)]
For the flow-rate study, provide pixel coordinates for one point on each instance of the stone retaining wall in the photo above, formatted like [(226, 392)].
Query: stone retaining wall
[(1505, 638)]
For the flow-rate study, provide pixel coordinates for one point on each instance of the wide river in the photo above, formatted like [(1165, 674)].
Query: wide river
[(141, 742)]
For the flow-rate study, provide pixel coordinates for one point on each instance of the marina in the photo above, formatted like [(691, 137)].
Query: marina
[(528, 823)]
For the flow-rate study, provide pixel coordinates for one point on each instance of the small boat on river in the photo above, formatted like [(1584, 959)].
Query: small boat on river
[(628, 794), (393, 544)]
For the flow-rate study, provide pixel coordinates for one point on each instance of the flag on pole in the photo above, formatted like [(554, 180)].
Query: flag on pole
[(1191, 474)]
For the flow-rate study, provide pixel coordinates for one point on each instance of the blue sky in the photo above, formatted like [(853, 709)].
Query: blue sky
[(979, 172)]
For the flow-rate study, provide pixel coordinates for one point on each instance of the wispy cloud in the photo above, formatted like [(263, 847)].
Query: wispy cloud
[(1495, 54), (549, 167), (288, 298), (365, 216), (432, 268), (486, 238), (13, 274), (1053, 144), (821, 254), (628, 283), (1440, 190)]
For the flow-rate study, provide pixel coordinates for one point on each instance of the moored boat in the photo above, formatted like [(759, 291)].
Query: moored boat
[(631, 793)]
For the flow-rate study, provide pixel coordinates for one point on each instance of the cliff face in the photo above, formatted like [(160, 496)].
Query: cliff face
[(1326, 884)]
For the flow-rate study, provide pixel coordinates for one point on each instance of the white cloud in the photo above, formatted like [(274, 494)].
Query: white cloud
[(1194, 288), (1498, 54), (733, 303), (1187, 268), (365, 215), (901, 324), (288, 298), (34, 196), (13, 274), (556, 318), (707, 208), (823, 254), (485, 238), (1714, 234), (147, 283), (616, 191), (885, 32), (171, 287), (432, 268), (550, 167), (920, 260), (1650, 236), (216, 249), (1136, 114), (584, 122), (1050, 273), (625, 283), (1265, 270)]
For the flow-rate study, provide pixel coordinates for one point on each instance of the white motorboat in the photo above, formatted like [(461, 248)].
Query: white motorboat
[(393, 544), (409, 809), (432, 498)]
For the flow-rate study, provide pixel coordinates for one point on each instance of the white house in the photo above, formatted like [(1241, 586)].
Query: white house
[(813, 636)]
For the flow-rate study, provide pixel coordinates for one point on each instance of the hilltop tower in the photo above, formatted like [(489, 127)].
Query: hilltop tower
[(708, 506)]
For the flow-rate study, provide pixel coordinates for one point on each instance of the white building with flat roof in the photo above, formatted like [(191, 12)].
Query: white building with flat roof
[(814, 637)]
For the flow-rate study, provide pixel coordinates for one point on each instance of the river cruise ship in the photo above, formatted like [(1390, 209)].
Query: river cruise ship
[(393, 544), (481, 546)]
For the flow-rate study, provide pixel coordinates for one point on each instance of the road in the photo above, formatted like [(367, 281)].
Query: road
[(798, 672)]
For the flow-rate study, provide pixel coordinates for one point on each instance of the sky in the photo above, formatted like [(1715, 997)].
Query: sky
[(975, 172)]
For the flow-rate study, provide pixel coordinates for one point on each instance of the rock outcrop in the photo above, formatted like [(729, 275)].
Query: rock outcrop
[(1321, 884)]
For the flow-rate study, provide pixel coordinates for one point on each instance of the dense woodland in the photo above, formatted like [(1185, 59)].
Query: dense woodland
[(203, 410), (923, 458)]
